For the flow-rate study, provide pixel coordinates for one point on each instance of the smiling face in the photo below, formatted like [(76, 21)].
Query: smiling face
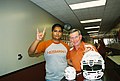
[(75, 38), (57, 33)]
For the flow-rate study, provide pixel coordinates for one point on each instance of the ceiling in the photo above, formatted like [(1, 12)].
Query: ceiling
[(110, 13)]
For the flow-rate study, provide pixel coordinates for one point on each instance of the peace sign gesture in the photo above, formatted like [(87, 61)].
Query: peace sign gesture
[(40, 35)]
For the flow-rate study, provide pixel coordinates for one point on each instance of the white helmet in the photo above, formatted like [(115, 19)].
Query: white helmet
[(92, 65), (70, 73)]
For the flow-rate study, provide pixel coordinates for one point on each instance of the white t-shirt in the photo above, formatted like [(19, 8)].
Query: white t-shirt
[(55, 57)]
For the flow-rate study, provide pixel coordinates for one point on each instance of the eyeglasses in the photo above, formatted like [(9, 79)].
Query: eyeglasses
[(74, 37)]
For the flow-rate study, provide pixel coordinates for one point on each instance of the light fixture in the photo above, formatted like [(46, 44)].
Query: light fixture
[(93, 34), (88, 4), (92, 27), (92, 20), (92, 31)]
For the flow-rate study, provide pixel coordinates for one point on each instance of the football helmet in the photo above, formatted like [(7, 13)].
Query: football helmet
[(92, 65), (70, 73)]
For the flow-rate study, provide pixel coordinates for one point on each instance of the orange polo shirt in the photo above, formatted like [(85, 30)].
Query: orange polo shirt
[(76, 55)]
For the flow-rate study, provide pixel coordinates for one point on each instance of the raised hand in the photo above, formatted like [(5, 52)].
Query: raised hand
[(40, 35)]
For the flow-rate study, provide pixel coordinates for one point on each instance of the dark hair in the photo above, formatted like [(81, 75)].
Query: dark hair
[(57, 25), (74, 30)]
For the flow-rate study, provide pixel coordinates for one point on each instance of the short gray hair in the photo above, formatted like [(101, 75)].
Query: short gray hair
[(74, 30)]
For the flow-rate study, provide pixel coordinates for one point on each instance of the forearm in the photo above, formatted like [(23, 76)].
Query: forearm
[(32, 49)]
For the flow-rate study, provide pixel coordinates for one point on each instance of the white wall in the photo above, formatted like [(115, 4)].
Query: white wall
[(18, 22)]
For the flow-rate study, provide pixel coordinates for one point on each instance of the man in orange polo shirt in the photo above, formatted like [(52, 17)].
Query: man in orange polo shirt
[(78, 50)]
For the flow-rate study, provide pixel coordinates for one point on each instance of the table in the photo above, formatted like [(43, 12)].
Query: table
[(115, 59)]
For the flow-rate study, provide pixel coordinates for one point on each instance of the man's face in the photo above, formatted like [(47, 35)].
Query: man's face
[(75, 38), (57, 33)]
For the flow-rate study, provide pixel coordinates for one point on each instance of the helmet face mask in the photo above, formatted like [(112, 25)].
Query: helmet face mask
[(70, 73), (92, 65)]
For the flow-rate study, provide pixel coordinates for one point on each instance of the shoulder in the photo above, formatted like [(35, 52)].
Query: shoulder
[(46, 43), (90, 47), (66, 45)]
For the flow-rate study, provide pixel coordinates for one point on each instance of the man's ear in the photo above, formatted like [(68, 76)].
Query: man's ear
[(80, 36)]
